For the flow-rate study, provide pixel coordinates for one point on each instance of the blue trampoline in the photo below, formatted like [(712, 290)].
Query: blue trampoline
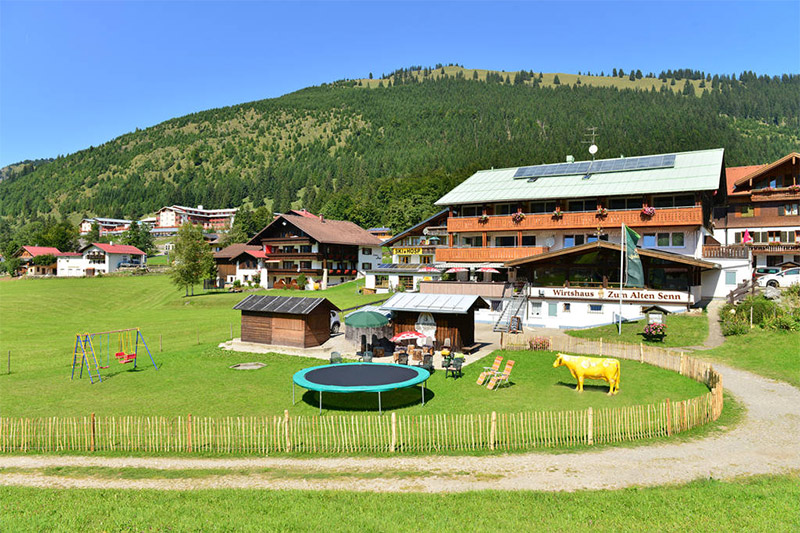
[(360, 377)]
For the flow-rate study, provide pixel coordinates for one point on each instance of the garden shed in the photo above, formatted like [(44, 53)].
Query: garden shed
[(438, 316), (286, 320)]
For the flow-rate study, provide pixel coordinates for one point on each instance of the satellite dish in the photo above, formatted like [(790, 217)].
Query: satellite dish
[(593, 149), (549, 242)]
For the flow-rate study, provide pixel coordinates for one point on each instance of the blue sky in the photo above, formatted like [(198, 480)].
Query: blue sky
[(79, 74)]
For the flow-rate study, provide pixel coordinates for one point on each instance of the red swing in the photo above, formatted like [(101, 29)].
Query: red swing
[(122, 355)]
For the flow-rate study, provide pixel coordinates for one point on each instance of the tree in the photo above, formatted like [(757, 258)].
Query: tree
[(192, 259), (556, 81), (370, 75), (139, 235), (638, 74), (614, 73), (688, 88), (94, 233), (632, 77)]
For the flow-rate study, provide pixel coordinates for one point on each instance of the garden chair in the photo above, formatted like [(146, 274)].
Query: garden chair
[(366, 357), (336, 357), (489, 371), (416, 355), (500, 379), (454, 369), (427, 362), (402, 359)]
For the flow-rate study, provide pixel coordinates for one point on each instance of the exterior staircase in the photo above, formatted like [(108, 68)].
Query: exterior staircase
[(513, 306)]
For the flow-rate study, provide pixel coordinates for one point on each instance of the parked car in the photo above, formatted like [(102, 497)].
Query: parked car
[(764, 271), (781, 279), (336, 322)]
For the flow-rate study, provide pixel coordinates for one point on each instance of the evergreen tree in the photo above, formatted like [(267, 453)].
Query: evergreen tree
[(556, 81), (94, 233), (474, 74), (614, 73), (370, 75), (688, 88), (632, 77), (638, 74)]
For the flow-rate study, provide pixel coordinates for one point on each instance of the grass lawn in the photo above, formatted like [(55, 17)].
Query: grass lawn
[(40, 318), (749, 504), (682, 330), (774, 354), (158, 260)]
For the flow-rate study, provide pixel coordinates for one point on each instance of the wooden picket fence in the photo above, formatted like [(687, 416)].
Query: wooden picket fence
[(394, 433)]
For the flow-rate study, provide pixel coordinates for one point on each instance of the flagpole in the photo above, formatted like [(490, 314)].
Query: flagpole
[(621, 263)]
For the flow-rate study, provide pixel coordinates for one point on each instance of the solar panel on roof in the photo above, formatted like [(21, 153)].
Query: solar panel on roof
[(596, 167)]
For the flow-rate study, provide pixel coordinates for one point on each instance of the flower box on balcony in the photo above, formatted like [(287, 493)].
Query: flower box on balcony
[(483, 219), (648, 211), (602, 212), (557, 214), (518, 217)]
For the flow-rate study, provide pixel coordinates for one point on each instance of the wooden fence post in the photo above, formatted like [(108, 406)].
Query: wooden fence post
[(493, 431), (590, 427), (91, 446), (189, 432), (683, 364), (393, 444), (669, 418), (286, 430), (641, 352), (601, 347)]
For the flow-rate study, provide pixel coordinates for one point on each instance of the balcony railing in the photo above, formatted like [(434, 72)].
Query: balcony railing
[(677, 216), (776, 248), (784, 193), (725, 252), (488, 254)]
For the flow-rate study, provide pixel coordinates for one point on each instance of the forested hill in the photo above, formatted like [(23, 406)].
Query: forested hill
[(380, 152)]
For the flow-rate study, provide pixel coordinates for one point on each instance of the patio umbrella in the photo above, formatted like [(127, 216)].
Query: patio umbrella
[(746, 238), (366, 319), (489, 269), (428, 269), (407, 336), (455, 270)]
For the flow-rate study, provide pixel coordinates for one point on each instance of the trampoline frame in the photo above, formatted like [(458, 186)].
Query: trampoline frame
[(300, 380)]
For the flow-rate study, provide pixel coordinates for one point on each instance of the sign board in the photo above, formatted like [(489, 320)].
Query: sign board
[(407, 251), (611, 295), (655, 318)]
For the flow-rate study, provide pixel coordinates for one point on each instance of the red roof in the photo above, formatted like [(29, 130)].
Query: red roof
[(118, 248), (41, 250), (302, 213), (734, 174)]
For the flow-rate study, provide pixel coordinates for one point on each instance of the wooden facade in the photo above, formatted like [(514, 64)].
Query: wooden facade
[(460, 329), (288, 329)]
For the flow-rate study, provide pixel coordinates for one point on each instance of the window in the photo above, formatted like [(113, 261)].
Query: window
[(678, 240), (774, 237), (573, 240), (305, 249), (626, 203), (529, 240), (684, 200), (746, 211), (542, 207), (504, 209), (552, 309), (366, 266), (536, 309), (730, 278), (774, 260), (567, 307), (287, 265), (405, 259), (505, 241), (366, 251), (595, 308), (471, 211), (497, 305), (582, 205), (288, 250), (662, 239), (788, 210), (472, 242), (305, 264), (648, 240), (426, 259)]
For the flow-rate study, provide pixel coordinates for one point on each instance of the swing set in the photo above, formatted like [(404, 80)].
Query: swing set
[(90, 348)]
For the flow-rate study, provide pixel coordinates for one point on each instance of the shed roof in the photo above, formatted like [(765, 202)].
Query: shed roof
[(324, 230), (692, 171), (292, 305), (459, 304)]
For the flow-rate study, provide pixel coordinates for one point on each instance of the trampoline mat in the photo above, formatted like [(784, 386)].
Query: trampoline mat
[(355, 375)]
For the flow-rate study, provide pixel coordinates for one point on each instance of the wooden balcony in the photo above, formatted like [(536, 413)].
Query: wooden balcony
[(486, 255), (679, 216), (726, 252), (298, 256), (770, 195), (776, 248)]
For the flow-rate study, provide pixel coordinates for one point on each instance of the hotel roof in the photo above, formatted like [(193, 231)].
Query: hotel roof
[(691, 171)]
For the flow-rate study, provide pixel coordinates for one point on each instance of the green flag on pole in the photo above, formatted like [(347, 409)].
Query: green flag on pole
[(633, 264)]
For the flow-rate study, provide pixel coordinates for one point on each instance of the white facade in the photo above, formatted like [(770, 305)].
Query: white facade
[(94, 260), (70, 266)]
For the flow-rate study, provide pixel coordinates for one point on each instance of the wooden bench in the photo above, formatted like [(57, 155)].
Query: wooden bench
[(470, 349)]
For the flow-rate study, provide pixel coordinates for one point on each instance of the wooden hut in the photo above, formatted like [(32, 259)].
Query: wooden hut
[(286, 320), (440, 316)]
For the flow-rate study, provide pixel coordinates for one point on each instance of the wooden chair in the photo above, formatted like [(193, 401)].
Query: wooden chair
[(380, 352), (490, 370), (499, 379), (402, 359), (416, 355)]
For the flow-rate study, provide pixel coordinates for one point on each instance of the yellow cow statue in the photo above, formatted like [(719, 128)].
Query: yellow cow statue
[(591, 367)]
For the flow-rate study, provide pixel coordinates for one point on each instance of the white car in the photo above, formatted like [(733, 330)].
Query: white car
[(788, 277)]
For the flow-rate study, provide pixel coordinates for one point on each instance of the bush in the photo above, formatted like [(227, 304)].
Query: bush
[(539, 343), (734, 324), (762, 309), (655, 331), (301, 281), (781, 321), (237, 283)]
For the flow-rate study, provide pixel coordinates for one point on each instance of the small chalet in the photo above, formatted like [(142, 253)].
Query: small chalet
[(26, 255), (105, 258), (325, 252), (437, 316), (286, 320)]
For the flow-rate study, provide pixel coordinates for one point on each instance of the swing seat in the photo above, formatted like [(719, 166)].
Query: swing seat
[(128, 359)]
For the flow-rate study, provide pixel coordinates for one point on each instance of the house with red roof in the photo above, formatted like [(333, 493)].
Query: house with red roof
[(105, 258), (764, 202), (242, 262), (26, 255)]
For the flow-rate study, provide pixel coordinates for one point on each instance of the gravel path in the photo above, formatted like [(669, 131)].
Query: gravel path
[(766, 441)]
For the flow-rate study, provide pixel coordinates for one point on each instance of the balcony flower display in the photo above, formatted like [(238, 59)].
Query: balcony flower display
[(602, 212), (648, 211), (794, 188), (518, 217), (557, 214), (540, 343), (483, 219), (655, 332)]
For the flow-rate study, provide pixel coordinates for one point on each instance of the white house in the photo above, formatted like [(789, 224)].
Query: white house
[(99, 258)]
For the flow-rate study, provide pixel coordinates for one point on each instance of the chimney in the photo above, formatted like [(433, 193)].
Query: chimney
[(200, 207), (570, 159), (321, 219)]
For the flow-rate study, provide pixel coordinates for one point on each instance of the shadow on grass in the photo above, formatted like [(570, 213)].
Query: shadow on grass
[(586, 386), (368, 401)]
